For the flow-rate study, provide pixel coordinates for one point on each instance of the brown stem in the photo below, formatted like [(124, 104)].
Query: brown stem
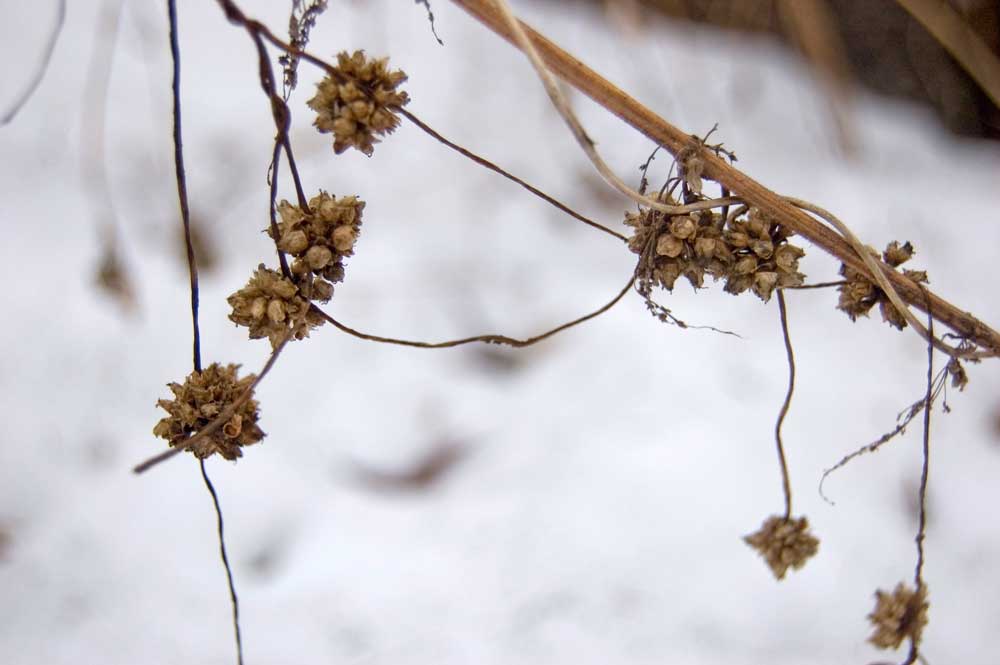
[(673, 139)]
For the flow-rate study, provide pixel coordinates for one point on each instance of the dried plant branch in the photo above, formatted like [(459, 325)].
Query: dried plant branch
[(259, 31), (880, 278), (753, 193), (786, 484), (482, 161), (960, 40), (488, 339), (181, 177), (234, 599), (586, 143), (918, 572), (430, 18), (224, 416), (301, 21), (903, 419), (43, 65)]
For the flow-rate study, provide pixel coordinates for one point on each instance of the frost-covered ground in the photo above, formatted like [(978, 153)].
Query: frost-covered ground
[(609, 472)]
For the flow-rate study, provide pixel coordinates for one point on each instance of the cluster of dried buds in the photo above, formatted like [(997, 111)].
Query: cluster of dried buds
[(319, 239), (750, 252), (272, 306), (784, 543), (357, 101), (858, 294), (899, 615), (201, 399)]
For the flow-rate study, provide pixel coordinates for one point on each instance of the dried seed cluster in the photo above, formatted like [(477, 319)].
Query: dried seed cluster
[(197, 402), (749, 252), (784, 543), (357, 102), (319, 240), (272, 306), (859, 295), (899, 615)]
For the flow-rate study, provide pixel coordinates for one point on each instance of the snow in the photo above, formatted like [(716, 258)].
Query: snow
[(610, 472)]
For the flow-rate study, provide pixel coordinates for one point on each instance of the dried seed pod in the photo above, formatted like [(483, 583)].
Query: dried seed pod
[(899, 615), (271, 306), (197, 402), (762, 258), (358, 102), (896, 254), (321, 237), (784, 543), (688, 245), (858, 295)]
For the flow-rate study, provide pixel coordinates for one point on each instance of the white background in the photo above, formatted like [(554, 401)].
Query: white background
[(610, 472)]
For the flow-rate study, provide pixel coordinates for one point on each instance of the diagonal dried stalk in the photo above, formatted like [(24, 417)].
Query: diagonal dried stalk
[(752, 192)]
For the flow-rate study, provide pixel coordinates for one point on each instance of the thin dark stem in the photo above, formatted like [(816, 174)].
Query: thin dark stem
[(818, 285), (488, 339), (785, 482), (225, 562), (496, 169), (273, 208), (918, 578), (182, 195), (294, 169), (43, 65)]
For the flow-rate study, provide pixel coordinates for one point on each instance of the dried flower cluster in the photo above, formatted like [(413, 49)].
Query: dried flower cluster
[(859, 295), (319, 240), (272, 306), (197, 402), (357, 102), (749, 253), (899, 615), (784, 543)]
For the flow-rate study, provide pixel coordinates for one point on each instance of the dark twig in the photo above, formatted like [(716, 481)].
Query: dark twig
[(273, 208), (903, 418), (182, 196), (918, 578), (496, 169), (488, 339), (430, 18), (43, 65), (786, 484), (818, 285), (918, 570), (225, 562)]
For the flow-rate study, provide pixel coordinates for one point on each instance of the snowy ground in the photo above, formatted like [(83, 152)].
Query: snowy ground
[(609, 473)]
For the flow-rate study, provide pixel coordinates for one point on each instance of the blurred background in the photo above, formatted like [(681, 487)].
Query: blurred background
[(579, 501)]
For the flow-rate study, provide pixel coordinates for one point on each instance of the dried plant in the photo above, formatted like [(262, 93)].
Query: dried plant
[(198, 401), (784, 543), (739, 234)]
